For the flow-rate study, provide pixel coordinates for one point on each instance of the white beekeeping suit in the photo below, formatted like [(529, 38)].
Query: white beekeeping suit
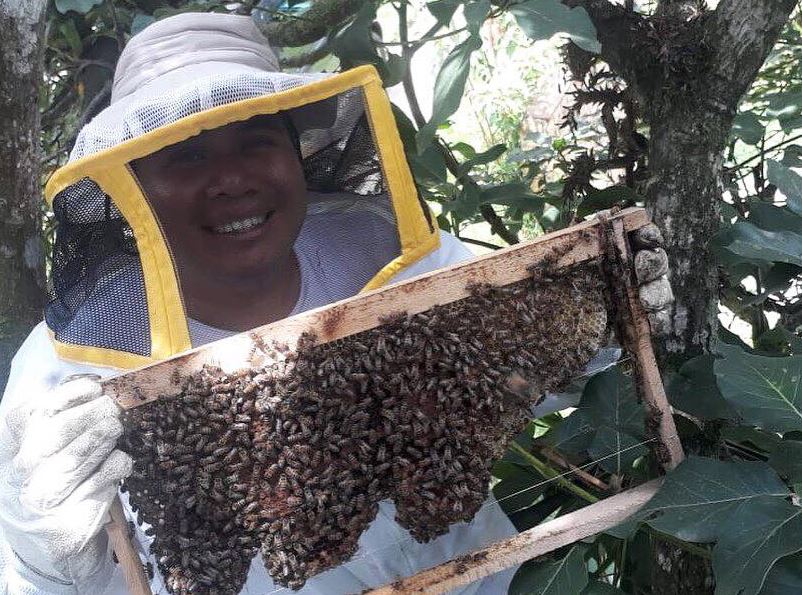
[(118, 299)]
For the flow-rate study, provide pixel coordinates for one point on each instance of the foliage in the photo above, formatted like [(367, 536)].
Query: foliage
[(743, 402)]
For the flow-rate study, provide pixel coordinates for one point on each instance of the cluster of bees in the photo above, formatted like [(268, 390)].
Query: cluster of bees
[(293, 458)]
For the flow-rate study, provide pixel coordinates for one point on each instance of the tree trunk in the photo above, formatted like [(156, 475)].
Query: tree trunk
[(21, 254)]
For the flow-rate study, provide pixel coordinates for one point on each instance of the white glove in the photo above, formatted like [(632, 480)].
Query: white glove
[(59, 472)]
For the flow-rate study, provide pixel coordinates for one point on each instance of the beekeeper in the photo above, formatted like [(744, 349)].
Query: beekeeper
[(215, 194)]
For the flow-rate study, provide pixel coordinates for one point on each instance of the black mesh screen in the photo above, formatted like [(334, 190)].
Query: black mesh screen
[(97, 292), (349, 164)]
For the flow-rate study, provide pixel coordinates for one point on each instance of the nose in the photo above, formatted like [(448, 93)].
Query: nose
[(229, 177)]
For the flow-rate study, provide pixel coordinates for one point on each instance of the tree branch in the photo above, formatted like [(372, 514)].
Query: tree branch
[(316, 23), (742, 33), (619, 31)]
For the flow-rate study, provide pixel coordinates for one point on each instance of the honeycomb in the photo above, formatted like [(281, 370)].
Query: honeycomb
[(293, 458)]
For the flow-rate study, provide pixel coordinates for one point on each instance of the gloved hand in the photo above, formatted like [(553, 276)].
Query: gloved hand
[(59, 472), (651, 271)]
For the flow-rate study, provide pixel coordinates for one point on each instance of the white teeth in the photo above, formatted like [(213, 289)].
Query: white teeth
[(242, 225)]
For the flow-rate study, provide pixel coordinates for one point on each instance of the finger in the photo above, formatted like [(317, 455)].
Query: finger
[(648, 236), (71, 393), (650, 264), (660, 322), (656, 294), (45, 436), (58, 475)]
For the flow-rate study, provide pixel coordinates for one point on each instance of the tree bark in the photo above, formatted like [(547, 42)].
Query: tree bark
[(690, 117), (689, 69), (21, 255)]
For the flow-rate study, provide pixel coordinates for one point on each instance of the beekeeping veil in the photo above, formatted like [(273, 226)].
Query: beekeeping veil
[(116, 291)]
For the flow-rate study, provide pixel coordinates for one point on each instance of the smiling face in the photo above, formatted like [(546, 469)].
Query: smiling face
[(231, 201)]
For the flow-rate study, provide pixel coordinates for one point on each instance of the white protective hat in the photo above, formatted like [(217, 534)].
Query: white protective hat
[(116, 297)]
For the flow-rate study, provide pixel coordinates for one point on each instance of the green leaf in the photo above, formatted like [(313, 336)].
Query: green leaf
[(785, 106), (786, 459), (610, 406), (564, 577), (430, 166), (764, 390), (749, 241), (449, 87), (353, 44), (482, 158), (80, 6), (443, 10), (785, 577), (573, 435), (71, 36), (598, 200), (701, 495), (693, 389), (748, 127), (475, 15), (762, 532), (771, 218), (788, 181), (752, 437), (541, 19), (520, 489), (513, 194), (792, 156)]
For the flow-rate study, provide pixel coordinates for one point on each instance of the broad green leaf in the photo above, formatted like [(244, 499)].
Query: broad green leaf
[(430, 166), (80, 6), (520, 489), (443, 10), (771, 218), (749, 241), (573, 435), (760, 532), (482, 158), (698, 499), (541, 19), (785, 577), (564, 577), (604, 199), (785, 106), (748, 128), (449, 87), (786, 459), (353, 44), (71, 36), (788, 181), (778, 341), (513, 194), (610, 406), (767, 391), (475, 14), (693, 389), (466, 150), (752, 437), (792, 156)]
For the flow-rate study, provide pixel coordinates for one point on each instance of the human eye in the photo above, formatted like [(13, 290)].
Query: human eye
[(260, 140), (187, 156)]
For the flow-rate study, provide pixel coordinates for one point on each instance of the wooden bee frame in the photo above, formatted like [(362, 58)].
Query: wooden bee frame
[(604, 237)]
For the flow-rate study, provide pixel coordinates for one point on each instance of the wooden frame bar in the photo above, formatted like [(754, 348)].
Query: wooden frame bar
[(605, 236), (535, 542), (363, 312)]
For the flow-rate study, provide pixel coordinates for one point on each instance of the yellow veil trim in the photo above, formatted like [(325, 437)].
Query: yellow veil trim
[(110, 169)]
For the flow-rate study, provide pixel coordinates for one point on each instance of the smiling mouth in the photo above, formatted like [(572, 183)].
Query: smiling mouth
[(241, 225)]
